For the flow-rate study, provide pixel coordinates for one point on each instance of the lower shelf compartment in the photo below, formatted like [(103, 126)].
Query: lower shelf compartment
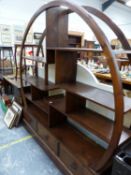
[(84, 149), (98, 125), (71, 162), (48, 138), (43, 104), (49, 151), (65, 154), (33, 115)]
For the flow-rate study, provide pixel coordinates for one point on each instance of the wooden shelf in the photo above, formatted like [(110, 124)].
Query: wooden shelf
[(40, 84), (16, 82), (97, 124), (35, 58), (98, 96), (102, 127), (86, 50), (35, 113), (41, 104), (86, 151), (58, 104), (57, 101), (59, 121), (27, 45), (71, 49)]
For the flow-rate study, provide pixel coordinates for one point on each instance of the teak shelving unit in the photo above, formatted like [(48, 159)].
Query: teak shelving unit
[(57, 120)]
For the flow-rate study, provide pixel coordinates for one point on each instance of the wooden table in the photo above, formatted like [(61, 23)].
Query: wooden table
[(126, 81)]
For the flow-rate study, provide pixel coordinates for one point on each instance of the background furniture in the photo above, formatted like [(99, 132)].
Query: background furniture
[(6, 60), (29, 50)]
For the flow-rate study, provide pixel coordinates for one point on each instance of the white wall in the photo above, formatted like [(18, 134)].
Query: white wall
[(121, 15), (17, 12), (77, 24)]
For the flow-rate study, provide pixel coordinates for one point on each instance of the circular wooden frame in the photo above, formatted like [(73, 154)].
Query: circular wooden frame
[(117, 85)]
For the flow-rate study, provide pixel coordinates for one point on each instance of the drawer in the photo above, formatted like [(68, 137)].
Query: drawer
[(49, 139), (70, 161), (31, 120)]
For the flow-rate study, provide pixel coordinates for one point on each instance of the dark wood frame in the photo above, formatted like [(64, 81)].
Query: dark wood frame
[(117, 85)]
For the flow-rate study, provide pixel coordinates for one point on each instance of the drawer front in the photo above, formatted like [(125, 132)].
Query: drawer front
[(31, 120), (49, 139), (70, 161)]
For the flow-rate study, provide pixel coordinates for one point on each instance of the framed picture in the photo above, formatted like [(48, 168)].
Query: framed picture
[(18, 33), (37, 37), (18, 110), (6, 37), (10, 118)]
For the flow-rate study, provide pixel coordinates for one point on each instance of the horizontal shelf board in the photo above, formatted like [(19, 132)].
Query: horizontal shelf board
[(119, 51), (86, 151), (39, 83), (57, 101), (87, 50), (6, 47), (38, 114), (26, 45), (98, 96), (35, 58), (71, 49), (16, 82), (97, 124), (94, 122)]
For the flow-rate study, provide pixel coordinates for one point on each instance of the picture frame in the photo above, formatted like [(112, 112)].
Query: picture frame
[(10, 117), (18, 31), (18, 110), (37, 37), (6, 36)]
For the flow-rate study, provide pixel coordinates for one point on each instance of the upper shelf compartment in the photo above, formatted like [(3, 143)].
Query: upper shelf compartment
[(98, 96)]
